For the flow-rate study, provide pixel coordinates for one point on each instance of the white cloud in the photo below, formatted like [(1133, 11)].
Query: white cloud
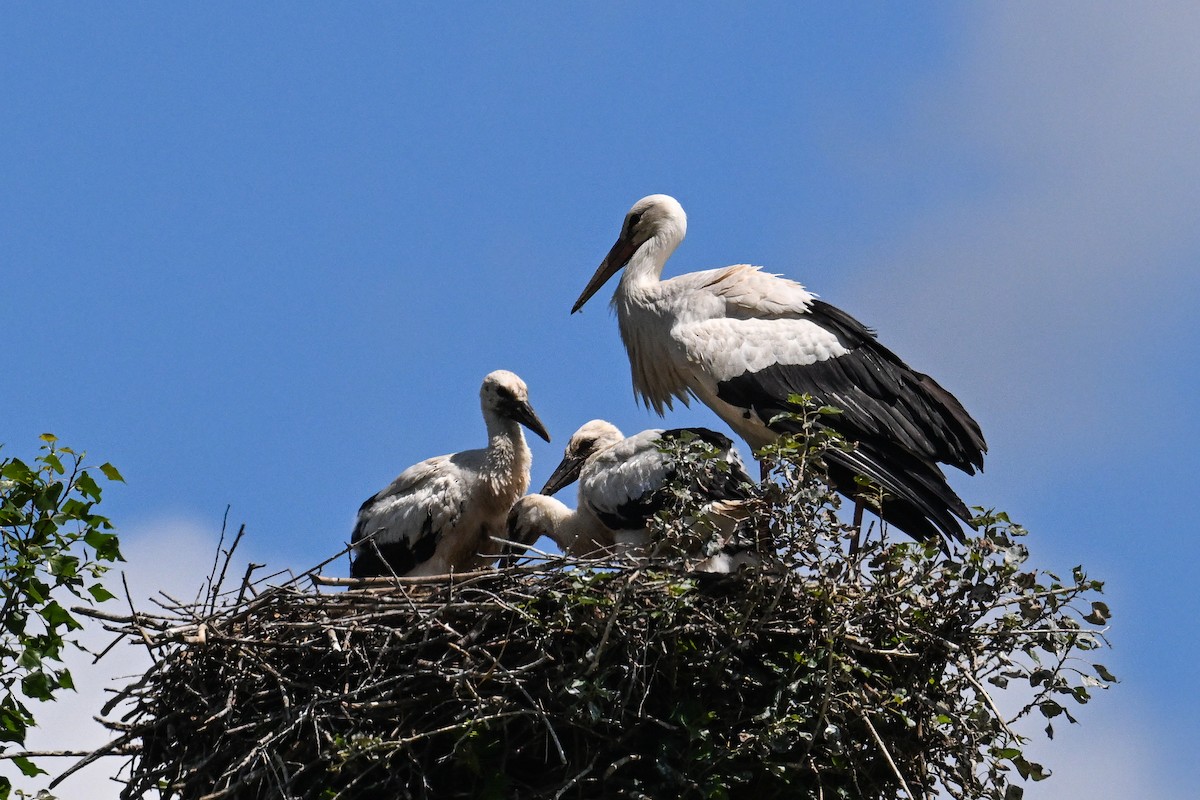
[(1070, 256), (1044, 295)]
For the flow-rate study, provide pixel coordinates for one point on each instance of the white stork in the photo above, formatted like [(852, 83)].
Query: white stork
[(742, 341), (578, 534), (622, 484), (440, 515)]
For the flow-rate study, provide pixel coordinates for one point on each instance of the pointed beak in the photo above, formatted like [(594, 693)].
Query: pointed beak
[(564, 474), (523, 413), (617, 257)]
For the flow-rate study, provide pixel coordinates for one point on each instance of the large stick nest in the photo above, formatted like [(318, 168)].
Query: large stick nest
[(531, 683), (820, 674)]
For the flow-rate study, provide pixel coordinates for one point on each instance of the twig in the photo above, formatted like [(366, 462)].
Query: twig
[(133, 616), (45, 754), (887, 755), (250, 568), (109, 749), (215, 589), (418, 580), (991, 704)]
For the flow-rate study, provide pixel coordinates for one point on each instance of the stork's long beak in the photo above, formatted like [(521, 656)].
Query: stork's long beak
[(617, 257), (523, 413), (565, 473)]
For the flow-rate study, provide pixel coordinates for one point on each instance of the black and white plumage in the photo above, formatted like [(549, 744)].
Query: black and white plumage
[(440, 515), (623, 483), (742, 341)]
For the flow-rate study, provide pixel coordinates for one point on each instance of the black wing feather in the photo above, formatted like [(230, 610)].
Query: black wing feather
[(383, 556), (902, 422)]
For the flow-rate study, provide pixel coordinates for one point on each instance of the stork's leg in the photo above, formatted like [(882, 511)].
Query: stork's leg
[(858, 521), (762, 542)]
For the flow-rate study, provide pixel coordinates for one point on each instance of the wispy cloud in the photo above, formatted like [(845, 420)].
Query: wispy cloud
[(1053, 298), (1071, 255)]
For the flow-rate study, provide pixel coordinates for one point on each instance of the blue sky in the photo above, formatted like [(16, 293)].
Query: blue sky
[(263, 256)]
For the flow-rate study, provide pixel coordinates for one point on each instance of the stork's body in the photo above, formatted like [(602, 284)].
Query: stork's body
[(742, 341), (623, 482), (576, 533), (440, 515)]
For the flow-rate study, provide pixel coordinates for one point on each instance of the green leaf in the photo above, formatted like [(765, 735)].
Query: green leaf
[(1030, 770), (13, 721), (31, 658), (54, 462), (49, 438), (100, 594), (27, 767), (1103, 672), (111, 473), (16, 470), (56, 616), (1050, 709), (15, 622), (37, 686), (105, 544), (87, 486), (1100, 613)]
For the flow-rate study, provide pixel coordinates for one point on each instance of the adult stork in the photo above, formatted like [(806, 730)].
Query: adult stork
[(742, 341), (623, 482), (440, 515)]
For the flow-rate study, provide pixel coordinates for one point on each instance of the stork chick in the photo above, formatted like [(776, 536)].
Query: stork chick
[(578, 535), (624, 482), (439, 516)]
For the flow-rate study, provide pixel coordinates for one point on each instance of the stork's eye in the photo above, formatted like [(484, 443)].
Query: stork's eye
[(634, 219)]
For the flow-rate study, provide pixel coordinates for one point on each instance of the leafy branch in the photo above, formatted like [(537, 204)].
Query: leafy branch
[(53, 545)]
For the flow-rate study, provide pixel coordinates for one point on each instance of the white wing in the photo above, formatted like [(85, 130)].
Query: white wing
[(618, 483), (749, 292), (406, 520)]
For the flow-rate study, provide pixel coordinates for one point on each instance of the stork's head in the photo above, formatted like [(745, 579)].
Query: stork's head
[(591, 438), (504, 395), (658, 220), (531, 518)]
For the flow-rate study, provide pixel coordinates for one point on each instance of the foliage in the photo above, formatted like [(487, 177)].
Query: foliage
[(904, 640), (833, 669), (52, 545)]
